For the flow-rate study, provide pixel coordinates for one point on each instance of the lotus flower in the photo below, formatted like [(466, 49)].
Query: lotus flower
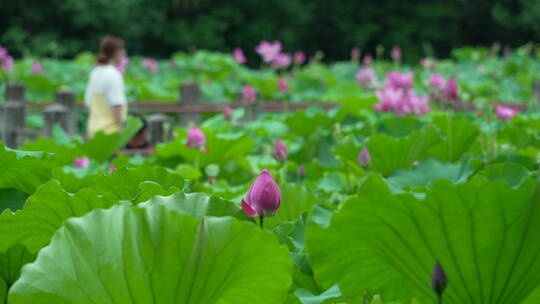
[(396, 53), (238, 55), (438, 280), (263, 197), (249, 93), (366, 76), (364, 158), (505, 113), (228, 112), (123, 64), (355, 54), (3, 53), (282, 61), (299, 57), (450, 90), (268, 51), (195, 138), (150, 64), (280, 151), (368, 59), (37, 68), (82, 162), (437, 81), (397, 80), (8, 63), (283, 85), (112, 169), (401, 102)]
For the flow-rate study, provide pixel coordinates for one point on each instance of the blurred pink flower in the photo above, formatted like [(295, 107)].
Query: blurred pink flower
[(283, 85), (111, 169), (282, 61), (427, 63), (280, 151), (268, 51), (228, 112), (299, 57), (399, 80), (437, 81), (505, 113), (3, 53), (450, 90), (150, 64), (238, 55), (195, 138), (396, 53), (366, 76), (368, 59), (249, 93), (263, 197), (37, 68), (401, 102), (82, 162), (123, 64), (364, 158), (8, 63)]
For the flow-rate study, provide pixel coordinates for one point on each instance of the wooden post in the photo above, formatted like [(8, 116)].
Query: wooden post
[(536, 92), (156, 128), (55, 114), (190, 95), (13, 115), (66, 98)]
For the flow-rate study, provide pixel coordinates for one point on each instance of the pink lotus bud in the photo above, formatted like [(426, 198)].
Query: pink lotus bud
[(364, 158), (37, 68), (195, 138), (396, 53), (263, 197), (368, 59), (82, 162), (280, 151), (505, 113), (366, 76), (228, 112), (112, 169), (450, 90), (249, 93), (437, 81), (238, 55), (283, 85), (355, 54), (301, 171), (150, 64), (281, 61), (438, 280), (299, 57)]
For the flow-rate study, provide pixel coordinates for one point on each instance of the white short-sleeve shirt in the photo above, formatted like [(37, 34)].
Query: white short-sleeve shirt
[(107, 80)]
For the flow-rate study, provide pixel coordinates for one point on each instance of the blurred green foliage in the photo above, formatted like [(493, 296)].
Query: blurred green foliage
[(63, 28)]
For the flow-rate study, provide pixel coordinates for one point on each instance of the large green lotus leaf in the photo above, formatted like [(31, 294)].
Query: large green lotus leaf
[(3, 291), (305, 123), (11, 262), (534, 297), (124, 183), (156, 255), (12, 199), (400, 126), (484, 234), (460, 136), (296, 200), (427, 172), (197, 205), (44, 212), (24, 170), (513, 174), (101, 147), (390, 153)]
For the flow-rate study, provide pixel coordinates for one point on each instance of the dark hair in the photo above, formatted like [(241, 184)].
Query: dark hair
[(108, 46)]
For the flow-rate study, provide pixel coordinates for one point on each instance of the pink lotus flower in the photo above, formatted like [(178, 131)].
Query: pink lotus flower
[(437, 81), (238, 55), (364, 158), (280, 151), (396, 53), (263, 197), (3, 53), (150, 64), (7, 63), (299, 57), (450, 90), (37, 68), (368, 59), (505, 113), (355, 54), (401, 102), (195, 138), (268, 51), (389, 99), (427, 63), (366, 76), (112, 169), (82, 162), (282, 61), (123, 64), (283, 85), (228, 112), (397, 80), (249, 93)]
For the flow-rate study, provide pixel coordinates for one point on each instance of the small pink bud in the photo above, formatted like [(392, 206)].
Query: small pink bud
[(82, 162), (263, 197), (364, 158), (450, 90), (112, 169), (299, 57), (438, 280), (396, 53), (283, 85), (505, 113), (249, 93), (301, 171), (228, 112), (195, 138), (280, 151), (238, 55)]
